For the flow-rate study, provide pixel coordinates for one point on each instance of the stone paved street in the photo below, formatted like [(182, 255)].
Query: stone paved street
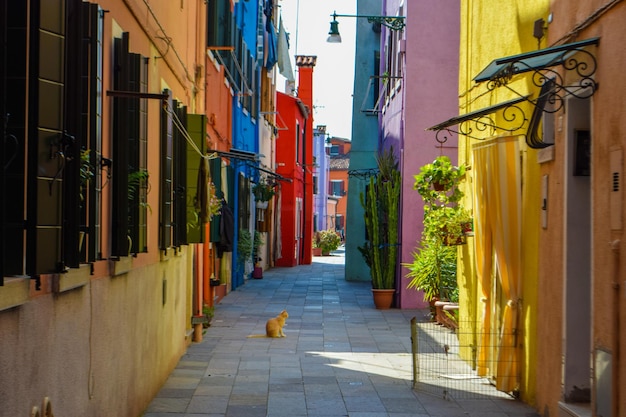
[(340, 357)]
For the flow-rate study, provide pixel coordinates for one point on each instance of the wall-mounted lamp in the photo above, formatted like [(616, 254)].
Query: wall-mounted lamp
[(392, 22)]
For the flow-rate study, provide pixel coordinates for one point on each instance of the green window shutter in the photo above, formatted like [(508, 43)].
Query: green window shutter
[(196, 126)]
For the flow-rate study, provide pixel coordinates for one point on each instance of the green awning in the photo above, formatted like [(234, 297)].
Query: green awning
[(532, 61)]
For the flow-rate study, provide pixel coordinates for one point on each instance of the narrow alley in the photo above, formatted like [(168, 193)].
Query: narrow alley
[(340, 356)]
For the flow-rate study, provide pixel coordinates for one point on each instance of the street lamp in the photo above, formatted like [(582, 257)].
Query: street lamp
[(392, 22)]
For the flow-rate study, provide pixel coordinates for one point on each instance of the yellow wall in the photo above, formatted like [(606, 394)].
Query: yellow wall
[(490, 30)]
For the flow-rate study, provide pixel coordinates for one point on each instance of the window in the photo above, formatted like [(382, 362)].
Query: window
[(129, 168), (336, 187), (334, 150), (393, 70), (219, 22), (298, 143), (315, 191)]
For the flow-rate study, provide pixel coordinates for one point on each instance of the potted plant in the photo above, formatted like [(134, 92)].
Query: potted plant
[(329, 241), (438, 181), (380, 251), (263, 192), (208, 312), (317, 250), (433, 269), (447, 224), (244, 246), (256, 245)]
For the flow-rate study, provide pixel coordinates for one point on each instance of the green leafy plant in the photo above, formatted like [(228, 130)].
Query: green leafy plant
[(329, 240), (433, 271), (438, 181), (446, 224), (380, 202), (86, 171), (316, 240), (208, 312), (256, 244), (244, 245), (214, 203), (263, 190), (136, 180)]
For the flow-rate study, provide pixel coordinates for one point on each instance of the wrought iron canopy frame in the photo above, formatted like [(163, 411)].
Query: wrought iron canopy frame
[(392, 22), (483, 120), (572, 59), (364, 173)]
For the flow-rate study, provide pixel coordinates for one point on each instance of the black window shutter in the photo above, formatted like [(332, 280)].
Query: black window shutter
[(121, 134), (135, 178), (180, 177), (47, 142), (92, 124), (13, 116), (166, 196), (74, 218)]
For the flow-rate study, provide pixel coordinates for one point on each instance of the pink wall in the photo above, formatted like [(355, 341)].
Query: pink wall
[(429, 96)]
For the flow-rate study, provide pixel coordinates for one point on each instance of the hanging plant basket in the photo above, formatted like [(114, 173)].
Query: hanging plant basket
[(262, 205)]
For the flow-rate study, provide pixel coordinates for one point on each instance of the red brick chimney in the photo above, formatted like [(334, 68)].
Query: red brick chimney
[(305, 94)]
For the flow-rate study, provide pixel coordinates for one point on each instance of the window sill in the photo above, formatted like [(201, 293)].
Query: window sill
[(74, 278), (14, 292), (122, 266)]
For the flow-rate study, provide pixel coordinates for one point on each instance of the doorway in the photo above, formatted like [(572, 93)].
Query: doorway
[(578, 234)]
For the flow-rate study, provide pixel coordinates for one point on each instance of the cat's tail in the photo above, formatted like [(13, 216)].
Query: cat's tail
[(257, 335)]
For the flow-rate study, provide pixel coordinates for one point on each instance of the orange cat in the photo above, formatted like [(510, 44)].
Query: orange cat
[(274, 326)]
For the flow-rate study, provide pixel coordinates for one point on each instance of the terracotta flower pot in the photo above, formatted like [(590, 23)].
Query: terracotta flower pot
[(383, 298)]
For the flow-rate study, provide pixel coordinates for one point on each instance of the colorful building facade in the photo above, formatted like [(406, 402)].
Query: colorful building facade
[(339, 152), (542, 277), (97, 266), (294, 161)]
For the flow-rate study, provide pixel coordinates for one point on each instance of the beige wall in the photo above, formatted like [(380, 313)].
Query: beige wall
[(100, 349), (102, 342)]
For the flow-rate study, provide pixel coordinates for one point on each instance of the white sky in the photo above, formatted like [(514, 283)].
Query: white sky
[(308, 22)]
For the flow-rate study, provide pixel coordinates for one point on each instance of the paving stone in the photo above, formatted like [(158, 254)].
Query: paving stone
[(341, 356)]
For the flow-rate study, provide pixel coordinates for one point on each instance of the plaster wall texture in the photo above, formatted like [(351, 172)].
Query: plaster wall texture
[(491, 30), (364, 141), (427, 96), (608, 275), (321, 171), (101, 349), (106, 347)]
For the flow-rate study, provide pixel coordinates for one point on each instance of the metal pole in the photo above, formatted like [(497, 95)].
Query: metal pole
[(414, 349)]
